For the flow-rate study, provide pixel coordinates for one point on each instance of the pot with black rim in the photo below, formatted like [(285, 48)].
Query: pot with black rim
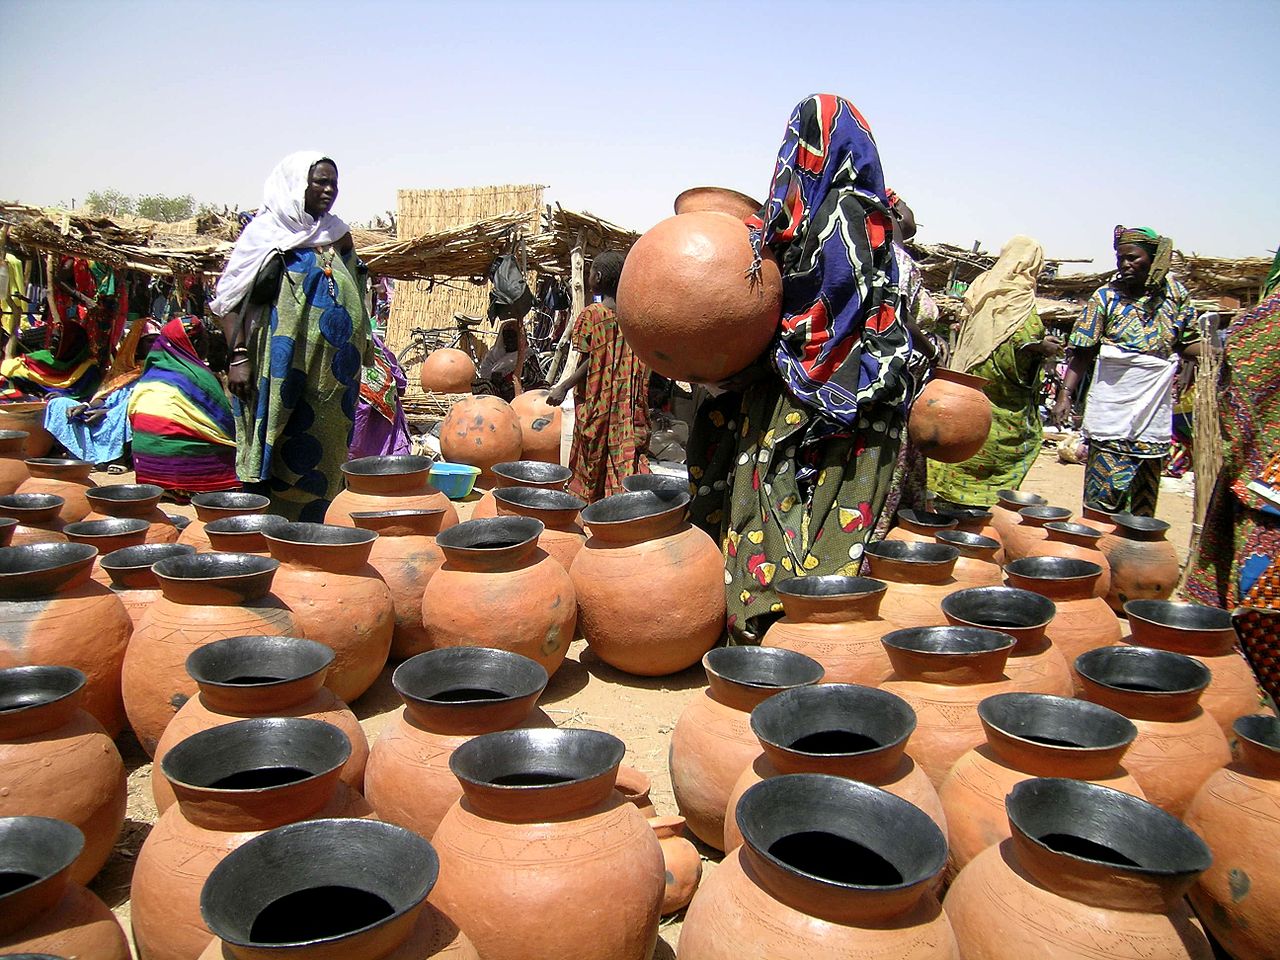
[(397, 482), (131, 578), (920, 526), (918, 575), (215, 506), (1035, 665), (1004, 515), (63, 477), (835, 620), (521, 473), (243, 534), (36, 518), (1144, 565), (978, 564), (139, 501)]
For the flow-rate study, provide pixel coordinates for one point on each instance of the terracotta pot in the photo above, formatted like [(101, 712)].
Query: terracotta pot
[(634, 785), (13, 444), (1087, 872), (1179, 746), (135, 501), (498, 589), (839, 729), (978, 564), (36, 517), (406, 556), (106, 536), (975, 520), (242, 534), (686, 304), (205, 597), (944, 673), (59, 762), (1076, 541), (642, 548), (337, 597), (1029, 735), (541, 822), (1238, 897), (131, 579), (539, 426), (664, 485), (828, 868), (293, 892), (712, 742), (1205, 634), (450, 696), (377, 484), (53, 614), (232, 784), (921, 526), (43, 912), (215, 506), (28, 417), (836, 621), (245, 677), (481, 431), (951, 417), (1035, 665), (717, 199), (62, 477), (447, 371), (918, 575), (1031, 530), (682, 864), (1006, 520), (520, 473), (8, 527), (562, 537), (1144, 565), (1099, 519)]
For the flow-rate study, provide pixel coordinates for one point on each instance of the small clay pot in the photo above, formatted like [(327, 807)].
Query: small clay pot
[(481, 431), (562, 536), (540, 425), (1077, 541), (215, 506), (1035, 665), (1031, 529), (406, 555), (131, 579), (835, 620), (447, 370), (951, 417), (13, 471), (28, 416), (717, 199), (376, 484), (978, 565), (1005, 518), (634, 785), (520, 473), (63, 477), (920, 526), (242, 534), (107, 536), (681, 862), (1144, 565), (38, 517), (918, 576), (137, 501)]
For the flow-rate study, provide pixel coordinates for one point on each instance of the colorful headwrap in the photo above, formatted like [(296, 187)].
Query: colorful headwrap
[(1273, 278), (1160, 248)]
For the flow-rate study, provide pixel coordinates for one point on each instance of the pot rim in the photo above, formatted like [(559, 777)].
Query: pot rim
[(126, 558), (922, 554), (112, 492), (17, 562), (318, 535), (1260, 729), (1020, 498), (1091, 661), (376, 466), (1040, 568), (230, 500), (1147, 611), (524, 472), (31, 503), (1045, 512), (722, 662), (57, 462), (515, 532), (926, 518), (204, 567), (812, 587), (65, 848), (468, 756), (1028, 600), (967, 640), (109, 527), (538, 498), (63, 682), (877, 704), (1023, 705), (197, 745), (315, 657), (953, 537), (641, 505), (721, 191), (528, 677), (244, 524), (387, 514), (1074, 529), (1137, 524), (966, 514)]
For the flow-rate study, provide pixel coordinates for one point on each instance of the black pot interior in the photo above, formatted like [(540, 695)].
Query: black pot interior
[(833, 719), (1139, 524), (658, 483), (1143, 670), (125, 492), (320, 534), (536, 758), (1045, 512), (1021, 498), (923, 518), (111, 527), (535, 498), (953, 640), (633, 506), (34, 848), (532, 471), (909, 552), (25, 687), (1074, 529), (230, 500), (468, 675), (257, 661), (212, 566), (959, 538), (1261, 728), (1053, 568), (829, 585), (999, 607), (490, 533), (247, 523), (33, 502), (1056, 721), (257, 754), (767, 667), (1182, 616), (43, 556), (386, 466), (144, 555)]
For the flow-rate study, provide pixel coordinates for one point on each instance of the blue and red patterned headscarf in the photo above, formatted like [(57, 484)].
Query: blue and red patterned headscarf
[(841, 343)]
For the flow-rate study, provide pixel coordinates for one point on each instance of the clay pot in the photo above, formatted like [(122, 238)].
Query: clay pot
[(921, 526), (232, 784), (717, 199), (53, 614), (944, 673), (13, 471), (1087, 872), (541, 822), (447, 370), (245, 677), (8, 527), (106, 536), (136, 501), (682, 864), (1144, 565), (293, 892), (1179, 745), (978, 564), (1006, 520), (828, 867), (43, 912), (62, 477), (951, 417), (974, 520), (406, 556), (520, 473), (1077, 541), (450, 696), (59, 762), (377, 484), (1238, 897), (36, 518), (204, 597), (561, 536), (242, 534), (539, 426), (641, 547), (836, 621), (1099, 519), (838, 729), (662, 484), (481, 431), (215, 506), (499, 589), (1031, 530), (1035, 665), (1029, 735), (686, 303), (918, 575), (131, 578), (712, 742), (28, 417)]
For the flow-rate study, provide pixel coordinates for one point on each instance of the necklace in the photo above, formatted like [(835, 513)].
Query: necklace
[(326, 265)]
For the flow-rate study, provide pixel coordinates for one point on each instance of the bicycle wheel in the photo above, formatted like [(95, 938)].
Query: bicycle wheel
[(421, 343)]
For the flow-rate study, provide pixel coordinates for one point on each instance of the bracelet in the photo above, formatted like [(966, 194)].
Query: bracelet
[(236, 363), (235, 350)]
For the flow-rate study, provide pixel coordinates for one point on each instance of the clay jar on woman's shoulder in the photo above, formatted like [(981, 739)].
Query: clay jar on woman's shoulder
[(62, 477), (132, 580), (920, 526), (828, 867), (245, 677), (133, 501), (836, 621), (242, 534), (449, 697), (977, 565), (36, 516), (499, 589), (215, 506), (562, 536), (918, 575), (1035, 665), (1087, 872), (406, 555), (1144, 565), (57, 761), (650, 585), (1077, 541), (839, 729), (12, 468), (712, 742), (951, 418), (375, 484), (337, 598), (520, 473), (52, 613), (1006, 520)]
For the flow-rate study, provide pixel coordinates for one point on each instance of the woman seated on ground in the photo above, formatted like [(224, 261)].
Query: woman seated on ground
[(66, 368)]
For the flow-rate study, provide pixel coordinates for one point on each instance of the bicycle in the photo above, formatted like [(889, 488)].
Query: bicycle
[(475, 344)]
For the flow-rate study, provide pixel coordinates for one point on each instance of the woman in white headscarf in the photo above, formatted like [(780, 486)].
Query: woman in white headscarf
[(291, 302)]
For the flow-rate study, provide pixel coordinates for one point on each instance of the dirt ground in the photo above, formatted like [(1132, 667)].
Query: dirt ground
[(587, 693)]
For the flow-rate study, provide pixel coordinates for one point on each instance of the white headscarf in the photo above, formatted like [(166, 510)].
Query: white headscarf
[(281, 224)]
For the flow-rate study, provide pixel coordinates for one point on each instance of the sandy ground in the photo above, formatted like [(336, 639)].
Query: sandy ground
[(585, 693)]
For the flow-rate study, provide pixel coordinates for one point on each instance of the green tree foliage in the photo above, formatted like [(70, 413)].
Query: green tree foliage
[(156, 206), (109, 203)]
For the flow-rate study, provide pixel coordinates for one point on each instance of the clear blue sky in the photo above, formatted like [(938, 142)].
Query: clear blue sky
[(1055, 119)]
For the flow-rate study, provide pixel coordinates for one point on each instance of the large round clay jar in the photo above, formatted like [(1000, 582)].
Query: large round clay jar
[(449, 697), (375, 484), (245, 677), (53, 614), (839, 729), (106, 536), (944, 673), (337, 598), (37, 516), (688, 302), (641, 548), (1077, 541), (1144, 565), (1035, 665), (481, 431), (562, 537), (539, 426), (951, 417), (1205, 634), (1029, 735), (43, 912), (1031, 529), (349, 889), (447, 370), (1238, 897), (541, 822), (681, 861), (920, 526), (215, 506), (828, 867), (1179, 746), (1087, 872), (62, 477), (520, 473), (720, 199), (135, 501), (204, 597), (232, 784), (131, 577), (918, 576), (978, 564), (1006, 520), (30, 418), (406, 556), (499, 589), (243, 534), (835, 620), (57, 761), (13, 470), (712, 742)]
